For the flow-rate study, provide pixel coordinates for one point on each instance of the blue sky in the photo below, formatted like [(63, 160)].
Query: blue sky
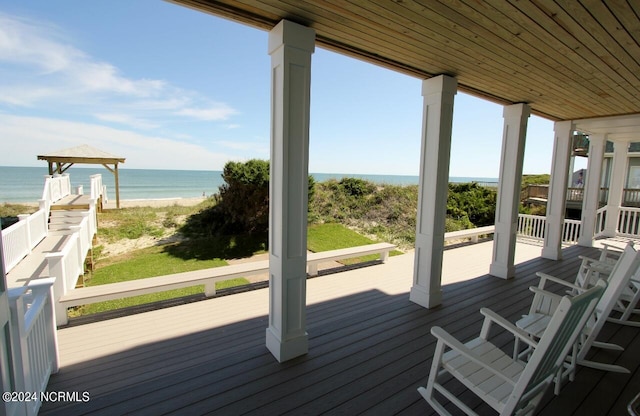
[(167, 87)]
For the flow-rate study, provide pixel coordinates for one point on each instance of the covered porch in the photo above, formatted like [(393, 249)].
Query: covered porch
[(363, 348), (369, 347)]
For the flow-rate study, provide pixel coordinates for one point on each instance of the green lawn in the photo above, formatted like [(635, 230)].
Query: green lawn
[(196, 255), (333, 236)]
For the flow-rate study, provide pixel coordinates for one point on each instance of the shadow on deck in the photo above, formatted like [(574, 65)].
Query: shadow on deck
[(368, 352)]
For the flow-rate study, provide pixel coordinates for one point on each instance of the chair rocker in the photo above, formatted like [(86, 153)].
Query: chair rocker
[(508, 385), (627, 303), (544, 304)]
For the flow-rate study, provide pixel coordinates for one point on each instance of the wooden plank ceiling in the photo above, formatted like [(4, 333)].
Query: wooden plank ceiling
[(568, 59)]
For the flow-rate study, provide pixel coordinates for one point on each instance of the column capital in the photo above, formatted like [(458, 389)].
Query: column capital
[(598, 139), (439, 84), (563, 128), (293, 35), (516, 110)]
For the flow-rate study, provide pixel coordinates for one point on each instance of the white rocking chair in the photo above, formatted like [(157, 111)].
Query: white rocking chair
[(508, 385), (627, 303), (544, 304), (593, 269)]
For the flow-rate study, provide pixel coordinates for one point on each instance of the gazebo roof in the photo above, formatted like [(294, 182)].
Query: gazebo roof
[(65, 158), (81, 154)]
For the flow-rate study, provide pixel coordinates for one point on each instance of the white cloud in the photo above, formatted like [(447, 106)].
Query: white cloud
[(41, 69), (254, 147), (127, 120), (215, 113), (26, 137)]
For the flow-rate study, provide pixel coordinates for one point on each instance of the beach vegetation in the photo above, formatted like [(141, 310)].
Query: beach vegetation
[(538, 179), (342, 213), (241, 204), (9, 213), (472, 202), (388, 212)]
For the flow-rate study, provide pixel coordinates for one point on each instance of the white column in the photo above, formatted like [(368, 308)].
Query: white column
[(557, 200), (513, 142), (437, 119), (591, 195), (572, 162), (616, 187), (290, 47)]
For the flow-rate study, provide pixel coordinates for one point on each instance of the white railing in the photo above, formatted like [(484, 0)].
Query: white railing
[(34, 340), (571, 231), (67, 265), (56, 187), (601, 221), (20, 238), (534, 226), (531, 226), (96, 186), (628, 221)]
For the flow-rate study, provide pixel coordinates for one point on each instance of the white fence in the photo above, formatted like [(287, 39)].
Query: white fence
[(56, 187), (67, 265), (34, 342), (20, 238), (533, 226), (601, 218), (628, 221)]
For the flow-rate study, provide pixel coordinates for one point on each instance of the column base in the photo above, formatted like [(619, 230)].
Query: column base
[(585, 242), (287, 350), (422, 297), (551, 253), (502, 271)]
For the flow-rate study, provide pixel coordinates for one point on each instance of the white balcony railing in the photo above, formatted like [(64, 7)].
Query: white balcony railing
[(534, 226), (34, 342), (628, 221), (20, 238), (601, 218), (56, 187), (67, 265), (531, 226)]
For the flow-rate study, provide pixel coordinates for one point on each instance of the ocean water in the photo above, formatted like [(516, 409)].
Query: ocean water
[(25, 184)]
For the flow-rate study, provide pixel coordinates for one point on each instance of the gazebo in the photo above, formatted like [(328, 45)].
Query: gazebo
[(61, 160)]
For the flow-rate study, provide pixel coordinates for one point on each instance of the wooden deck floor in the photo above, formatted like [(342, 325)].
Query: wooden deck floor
[(370, 348)]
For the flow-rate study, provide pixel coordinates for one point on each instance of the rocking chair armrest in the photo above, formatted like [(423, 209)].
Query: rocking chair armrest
[(595, 262), (544, 277), (611, 248), (451, 342), (492, 317), (545, 293), (597, 265)]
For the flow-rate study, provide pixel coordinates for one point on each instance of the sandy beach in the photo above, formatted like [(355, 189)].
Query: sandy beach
[(155, 203), (129, 203)]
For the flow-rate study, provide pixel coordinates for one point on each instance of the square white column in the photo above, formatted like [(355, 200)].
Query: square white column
[(591, 196), (438, 93), (513, 143), (557, 200), (616, 187), (290, 47)]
